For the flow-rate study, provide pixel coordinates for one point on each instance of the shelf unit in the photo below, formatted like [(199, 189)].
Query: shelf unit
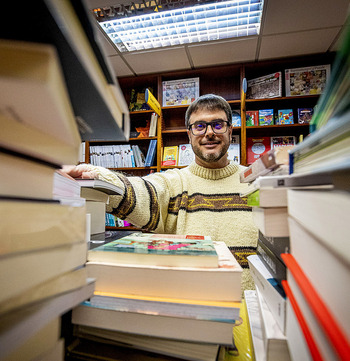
[(225, 81)]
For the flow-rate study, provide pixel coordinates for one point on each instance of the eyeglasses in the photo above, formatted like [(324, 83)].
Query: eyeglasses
[(218, 126)]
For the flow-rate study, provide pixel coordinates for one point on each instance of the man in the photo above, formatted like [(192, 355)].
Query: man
[(202, 198)]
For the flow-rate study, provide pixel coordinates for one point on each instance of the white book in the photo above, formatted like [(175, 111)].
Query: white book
[(269, 288), (327, 274), (272, 222), (186, 155), (324, 213), (100, 185), (275, 341)]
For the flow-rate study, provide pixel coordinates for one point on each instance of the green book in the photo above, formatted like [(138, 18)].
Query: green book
[(158, 250)]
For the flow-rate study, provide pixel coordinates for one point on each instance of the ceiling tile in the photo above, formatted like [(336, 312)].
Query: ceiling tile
[(157, 61), (297, 15), (294, 44), (223, 52), (119, 66)]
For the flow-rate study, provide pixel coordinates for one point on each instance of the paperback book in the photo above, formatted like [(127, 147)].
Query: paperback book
[(282, 141), (170, 154), (236, 118), (234, 150), (159, 250), (186, 154), (252, 118), (257, 147)]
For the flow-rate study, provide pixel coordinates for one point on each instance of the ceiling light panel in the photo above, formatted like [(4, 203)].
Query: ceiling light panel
[(209, 22)]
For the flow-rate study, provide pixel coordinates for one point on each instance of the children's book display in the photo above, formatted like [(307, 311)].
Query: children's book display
[(252, 118), (170, 155), (285, 116), (266, 117)]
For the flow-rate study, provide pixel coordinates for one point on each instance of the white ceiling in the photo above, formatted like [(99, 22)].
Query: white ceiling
[(289, 28)]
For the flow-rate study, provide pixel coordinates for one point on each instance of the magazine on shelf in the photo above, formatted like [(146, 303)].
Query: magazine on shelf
[(180, 92), (267, 86), (307, 81)]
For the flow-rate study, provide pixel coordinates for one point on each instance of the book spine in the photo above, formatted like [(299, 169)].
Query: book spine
[(277, 245)]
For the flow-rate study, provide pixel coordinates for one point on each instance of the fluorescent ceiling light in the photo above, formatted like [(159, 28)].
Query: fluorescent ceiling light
[(208, 22)]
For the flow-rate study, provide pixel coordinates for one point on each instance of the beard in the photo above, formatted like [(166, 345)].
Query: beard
[(212, 156)]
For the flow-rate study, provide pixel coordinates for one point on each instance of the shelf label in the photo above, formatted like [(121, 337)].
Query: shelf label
[(152, 102)]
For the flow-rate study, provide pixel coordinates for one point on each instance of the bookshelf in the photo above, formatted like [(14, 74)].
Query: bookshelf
[(225, 81)]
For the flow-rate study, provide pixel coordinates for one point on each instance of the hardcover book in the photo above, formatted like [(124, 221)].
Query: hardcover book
[(307, 81), (266, 117), (151, 153), (285, 116), (252, 118), (305, 115), (186, 154), (277, 245), (180, 92), (158, 250), (257, 147), (170, 154), (267, 86)]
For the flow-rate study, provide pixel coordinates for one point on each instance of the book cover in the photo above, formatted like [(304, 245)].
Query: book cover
[(305, 115), (236, 118), (100, 185), (180, 92), (138, 100), (266, 117), (186, 154), (282, 141), (234, 150), (285, 116), (257, 147), (158, 249), (267, 86), (222, 283), (170, 155), (307, 81), (252, 118)]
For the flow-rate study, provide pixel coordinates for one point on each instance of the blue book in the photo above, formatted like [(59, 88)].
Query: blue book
[(266, 117), (169, 250), (151, 153)]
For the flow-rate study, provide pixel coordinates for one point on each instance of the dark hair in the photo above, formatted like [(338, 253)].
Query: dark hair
[(209, 102)]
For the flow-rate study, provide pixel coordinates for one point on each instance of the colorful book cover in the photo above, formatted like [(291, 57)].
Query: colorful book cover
[(307, 81), (180, 92), (266, 117), (186, 154), (305, 115), (236, 118), (170, 155), (256, 147), (159, 250), (252, 118), (285, 116)]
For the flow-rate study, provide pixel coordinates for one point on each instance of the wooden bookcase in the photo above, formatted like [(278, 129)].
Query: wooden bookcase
[(225, 81)]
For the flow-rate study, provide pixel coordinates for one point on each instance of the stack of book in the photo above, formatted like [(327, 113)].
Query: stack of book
[(318, 291), (182, 290), (42, 240)]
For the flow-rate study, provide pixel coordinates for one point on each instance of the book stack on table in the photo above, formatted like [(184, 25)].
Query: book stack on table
[(42, 233), (169, 294)]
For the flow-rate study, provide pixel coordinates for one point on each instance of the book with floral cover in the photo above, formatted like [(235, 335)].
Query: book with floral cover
[(158, 249)]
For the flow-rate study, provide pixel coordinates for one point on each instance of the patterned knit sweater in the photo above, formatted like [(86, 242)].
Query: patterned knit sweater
[(191, 200)]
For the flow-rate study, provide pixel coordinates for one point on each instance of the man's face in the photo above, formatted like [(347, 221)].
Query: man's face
[(210, 149)]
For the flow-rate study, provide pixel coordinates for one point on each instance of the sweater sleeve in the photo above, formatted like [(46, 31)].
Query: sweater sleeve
[(144, 202)]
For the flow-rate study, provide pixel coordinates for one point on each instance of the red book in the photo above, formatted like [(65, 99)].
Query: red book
[(252, 118), (256, 147)]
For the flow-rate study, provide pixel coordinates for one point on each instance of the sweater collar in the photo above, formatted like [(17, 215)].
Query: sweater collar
[(213, 174)]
